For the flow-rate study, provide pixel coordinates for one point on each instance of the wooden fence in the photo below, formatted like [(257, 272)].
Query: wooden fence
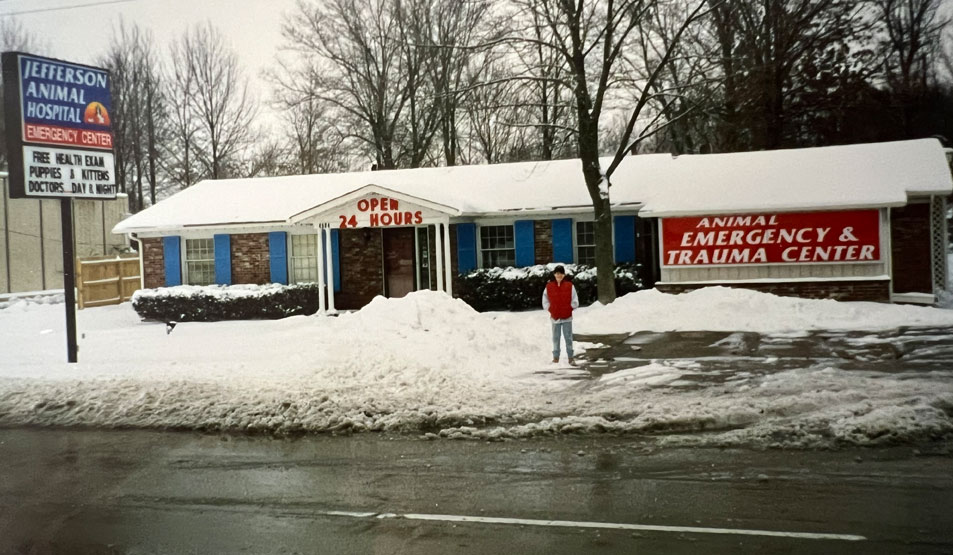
[(105, 280)]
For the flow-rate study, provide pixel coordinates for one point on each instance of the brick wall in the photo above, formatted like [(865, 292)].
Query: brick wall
[(153, 263), (362, 274), (910, 249), (250, 258), (543, 241), (877, 291)]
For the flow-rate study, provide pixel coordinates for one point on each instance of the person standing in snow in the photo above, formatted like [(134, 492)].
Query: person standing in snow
[(560, 298)]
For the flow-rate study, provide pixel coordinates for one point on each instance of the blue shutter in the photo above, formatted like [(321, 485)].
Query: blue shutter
[(223, 259), (278, 256), (466, 247), (525, 243), (336, 257), (624, 239), (173, 260), (562, 240)]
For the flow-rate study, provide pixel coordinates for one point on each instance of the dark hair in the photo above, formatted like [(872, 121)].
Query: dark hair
[(559, 269)]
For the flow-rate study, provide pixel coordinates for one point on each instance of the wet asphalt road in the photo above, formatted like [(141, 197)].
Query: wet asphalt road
[(84, 491)]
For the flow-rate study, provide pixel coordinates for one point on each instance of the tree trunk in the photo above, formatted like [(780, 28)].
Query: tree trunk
[(598, 191)]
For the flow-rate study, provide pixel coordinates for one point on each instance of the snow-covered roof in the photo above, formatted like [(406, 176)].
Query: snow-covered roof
[(823, 178), (839, 177)]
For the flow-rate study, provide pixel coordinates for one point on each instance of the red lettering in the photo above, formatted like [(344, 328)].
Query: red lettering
[(375, 220), (393, 204), (387, 219), (418, 217), (384, 204)]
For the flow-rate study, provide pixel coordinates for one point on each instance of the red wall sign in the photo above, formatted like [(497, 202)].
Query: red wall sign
[(807, 237), (379, 212)]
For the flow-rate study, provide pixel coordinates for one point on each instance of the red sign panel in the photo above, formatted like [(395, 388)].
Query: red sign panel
[(787, 238)]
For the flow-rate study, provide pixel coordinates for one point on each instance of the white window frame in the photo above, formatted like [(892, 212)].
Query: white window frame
[(576, 244), (292, 258), (480, 250), (186, 269)]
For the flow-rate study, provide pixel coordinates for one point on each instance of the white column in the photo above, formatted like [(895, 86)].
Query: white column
[(438, 247), (446, 254), (321, 304), (330, 252)]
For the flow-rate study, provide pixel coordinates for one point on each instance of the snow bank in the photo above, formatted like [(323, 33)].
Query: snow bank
[(728, 309), (428, 364)]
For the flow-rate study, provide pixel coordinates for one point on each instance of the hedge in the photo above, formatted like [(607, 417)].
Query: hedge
[(522, 288), (187, 303), (485, 289)]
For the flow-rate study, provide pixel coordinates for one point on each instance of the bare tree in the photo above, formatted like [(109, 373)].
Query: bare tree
[(592, 37), (211, 89), (139, 112), (913, 31), (347, 53), (13, 37), (452, 30), (420, 121), (772, 45), (547, 93), (497, 116), (909, 49), (682, 96), (314, 136), (180, 90)]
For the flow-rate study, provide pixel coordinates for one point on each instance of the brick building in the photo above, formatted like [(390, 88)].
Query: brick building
[(850, 222)]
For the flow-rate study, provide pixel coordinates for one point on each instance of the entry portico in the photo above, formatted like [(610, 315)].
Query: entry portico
[(376, 207)]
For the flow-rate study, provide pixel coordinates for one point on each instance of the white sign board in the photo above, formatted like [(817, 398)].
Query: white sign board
[(58, 172)]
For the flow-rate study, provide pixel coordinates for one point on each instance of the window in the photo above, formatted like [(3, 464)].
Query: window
[(304, 258), (497, 247), (586, 243), (200, 261)]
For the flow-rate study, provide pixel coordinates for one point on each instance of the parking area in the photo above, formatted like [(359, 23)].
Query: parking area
[(724, 354)]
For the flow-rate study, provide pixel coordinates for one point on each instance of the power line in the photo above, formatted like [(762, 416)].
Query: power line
[(62, 8)]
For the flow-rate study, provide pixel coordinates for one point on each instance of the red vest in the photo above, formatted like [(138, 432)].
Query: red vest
[(560, 299)]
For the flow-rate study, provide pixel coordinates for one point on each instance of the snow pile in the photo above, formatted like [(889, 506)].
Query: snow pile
[(429, 364), (23, 302), (729, 309)]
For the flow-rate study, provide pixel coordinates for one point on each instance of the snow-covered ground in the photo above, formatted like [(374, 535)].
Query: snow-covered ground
[(430, 364)]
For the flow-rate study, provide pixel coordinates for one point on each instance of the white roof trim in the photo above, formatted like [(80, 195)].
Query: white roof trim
[(806, 208)]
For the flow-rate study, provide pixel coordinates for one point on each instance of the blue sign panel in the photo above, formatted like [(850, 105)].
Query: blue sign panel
[(64, 104)]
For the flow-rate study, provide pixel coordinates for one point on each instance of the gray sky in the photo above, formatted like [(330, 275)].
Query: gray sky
[(83, 33)]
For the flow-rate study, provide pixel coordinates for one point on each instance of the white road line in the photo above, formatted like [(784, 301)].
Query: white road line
[(600, 525)]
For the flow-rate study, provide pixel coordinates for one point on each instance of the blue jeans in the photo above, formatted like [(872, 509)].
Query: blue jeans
[(564, 328)]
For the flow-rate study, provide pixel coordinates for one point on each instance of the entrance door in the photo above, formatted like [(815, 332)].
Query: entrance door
[(398, 261)]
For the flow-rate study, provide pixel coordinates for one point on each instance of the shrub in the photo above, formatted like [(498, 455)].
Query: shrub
[(522, 288), (187, 303)]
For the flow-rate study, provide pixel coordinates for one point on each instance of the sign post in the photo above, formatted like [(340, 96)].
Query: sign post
[(60, 144)]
